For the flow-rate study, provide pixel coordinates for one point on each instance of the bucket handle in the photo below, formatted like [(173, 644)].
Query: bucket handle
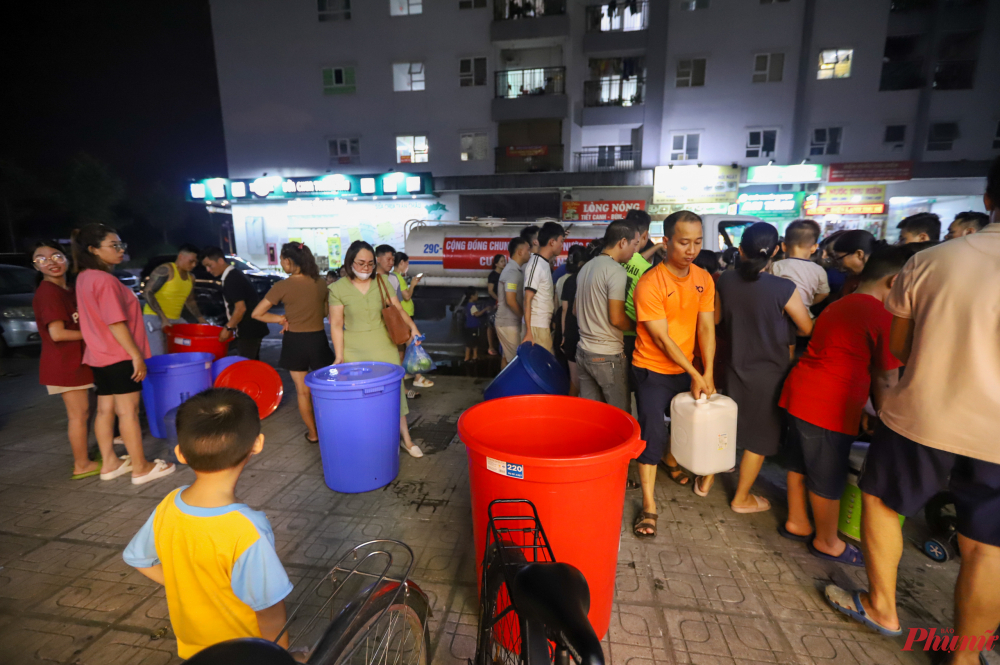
[(637, 448), (375, 389)]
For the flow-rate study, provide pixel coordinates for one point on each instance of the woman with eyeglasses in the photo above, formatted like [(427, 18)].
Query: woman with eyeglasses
[(115, 348), (850, 253), (304, 346), (356, 326)]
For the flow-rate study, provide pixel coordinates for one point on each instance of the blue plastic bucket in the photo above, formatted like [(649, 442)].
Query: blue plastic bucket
[(223, 363), (170, 380), (534, 371), (357, 419)]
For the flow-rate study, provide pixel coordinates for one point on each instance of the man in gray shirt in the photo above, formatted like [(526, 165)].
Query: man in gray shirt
[(600, 311), (510, 300)]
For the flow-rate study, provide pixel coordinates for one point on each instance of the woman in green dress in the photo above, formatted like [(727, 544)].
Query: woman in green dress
[(356, 326)]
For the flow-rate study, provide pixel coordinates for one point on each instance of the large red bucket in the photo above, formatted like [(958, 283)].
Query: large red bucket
[(191, 337), (568, 456)]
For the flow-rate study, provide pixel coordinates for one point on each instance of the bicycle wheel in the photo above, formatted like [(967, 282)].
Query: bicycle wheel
[(398, 636), (499, 623)]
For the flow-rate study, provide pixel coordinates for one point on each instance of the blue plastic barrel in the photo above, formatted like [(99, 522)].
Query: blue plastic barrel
[(534, 371), (223, 363), (170, 380), (357, 419)]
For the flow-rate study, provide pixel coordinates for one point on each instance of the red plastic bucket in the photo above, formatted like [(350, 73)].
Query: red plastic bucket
[(568, 456), (191, 337)]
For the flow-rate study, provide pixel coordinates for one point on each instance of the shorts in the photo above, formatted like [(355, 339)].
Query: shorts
[(471, 337), (510, 338), (116, 379), (905, 475), (821, 455), (155, 335), (305, 351), (602, 378), (543, 338), (248, 347), (653, 394), (59, 390)]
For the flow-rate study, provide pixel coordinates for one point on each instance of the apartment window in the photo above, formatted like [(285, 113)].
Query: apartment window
[(684, 146), (903, 63), (405, 7), (411, 149), (956, 66), (471, 4), (475, 146), (996, 138), (761, 142), (894, 137), (407, 76), (942, 135), (334, 10), (338, 80), (344, 151), (826, 141), (692, 5), (835, 63), (472, 71), (691, 73), (768, 67)]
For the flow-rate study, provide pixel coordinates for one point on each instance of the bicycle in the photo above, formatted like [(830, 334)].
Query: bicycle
[(533, 609), (374, 617)]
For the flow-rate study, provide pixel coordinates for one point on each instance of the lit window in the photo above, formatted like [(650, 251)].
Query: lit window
[(691, 73), (471, 4), (239, 189), (826, 141), (895, 137), (472, 71), (761, 142), (411, 149), (942, 136), (334, 10), (475, 146), (368, 185), (338, 80), (407, 76), (405, 7), (692, 5), (684, 146), (768, 67), (835, 63), (344, 151)]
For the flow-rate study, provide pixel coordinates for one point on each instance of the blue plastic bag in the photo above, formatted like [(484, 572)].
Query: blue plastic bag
[(416, 360)]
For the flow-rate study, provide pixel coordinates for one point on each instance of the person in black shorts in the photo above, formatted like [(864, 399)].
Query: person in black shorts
[(474, 313), (240, 299)]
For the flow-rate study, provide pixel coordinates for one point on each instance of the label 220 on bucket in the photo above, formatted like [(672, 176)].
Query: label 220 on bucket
[(505, 468)]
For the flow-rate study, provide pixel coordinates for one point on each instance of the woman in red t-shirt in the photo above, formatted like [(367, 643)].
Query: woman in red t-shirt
[(61, 368)]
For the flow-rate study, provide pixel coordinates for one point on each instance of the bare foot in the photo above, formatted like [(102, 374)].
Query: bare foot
[(826, 548), (90, 466), (892, 623), (798, 530), (109, 465)]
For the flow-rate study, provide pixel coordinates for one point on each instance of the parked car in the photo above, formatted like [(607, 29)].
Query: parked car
[(24, 260), (17, 319)]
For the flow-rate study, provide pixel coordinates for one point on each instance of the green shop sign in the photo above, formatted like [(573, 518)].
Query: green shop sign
[(331, 186), (771, 207)]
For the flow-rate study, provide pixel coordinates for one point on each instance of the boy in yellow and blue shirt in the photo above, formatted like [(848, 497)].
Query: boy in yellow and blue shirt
[(214, 555)]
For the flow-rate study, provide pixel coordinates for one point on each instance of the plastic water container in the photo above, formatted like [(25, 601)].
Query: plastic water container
[(195, 337), (223, 363), (570, 458), (170, 380), (703, 433), (357, 419), (534, 371), (849, 523)]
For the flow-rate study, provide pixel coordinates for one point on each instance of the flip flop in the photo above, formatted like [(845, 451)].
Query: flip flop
[(697, 486), (426, 383), (851, 555), (632, 485), (785, 533), (126, 467), (160, 469), (762, 505), (849, 603), (638, 524), (86, 474), (412, 394), (306, 435)]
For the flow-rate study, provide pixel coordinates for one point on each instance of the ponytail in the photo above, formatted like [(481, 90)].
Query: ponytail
[(758, 244), (302, 256), (85, 237)]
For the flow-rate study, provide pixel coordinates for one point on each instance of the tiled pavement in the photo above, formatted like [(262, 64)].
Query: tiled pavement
[(714, 587)]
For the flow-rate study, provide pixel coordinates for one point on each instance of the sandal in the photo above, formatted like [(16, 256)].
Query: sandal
[(697, 486), (677, 474), (412, 394), (632, 485), (306, 435), (760, 505), (641, 522), (422, 382)]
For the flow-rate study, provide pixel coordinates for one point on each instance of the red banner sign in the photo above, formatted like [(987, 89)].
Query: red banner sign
[(478, 253), (870, 171), (527, 151), (598, 211)]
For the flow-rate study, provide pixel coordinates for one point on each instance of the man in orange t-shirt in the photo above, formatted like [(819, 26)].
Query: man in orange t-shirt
[(674, 306)]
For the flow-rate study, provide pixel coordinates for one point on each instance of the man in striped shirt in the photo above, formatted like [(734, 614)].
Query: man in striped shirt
[(538, 289)]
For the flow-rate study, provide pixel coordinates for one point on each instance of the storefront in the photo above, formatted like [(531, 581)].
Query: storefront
[(326, 213)]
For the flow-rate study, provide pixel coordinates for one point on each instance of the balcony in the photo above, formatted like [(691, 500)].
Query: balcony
[(518, 21), (523, 94), (608, 158), (623, 19), (529, 159), (614, 100)]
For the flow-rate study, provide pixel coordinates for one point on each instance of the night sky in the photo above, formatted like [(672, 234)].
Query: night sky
[(132, 83)]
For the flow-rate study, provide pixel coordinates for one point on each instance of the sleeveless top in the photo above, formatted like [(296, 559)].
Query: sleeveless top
[(173, 294)]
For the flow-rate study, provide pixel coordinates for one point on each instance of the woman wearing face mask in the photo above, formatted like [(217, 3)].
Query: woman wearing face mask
[(304, 347), (356, 325)]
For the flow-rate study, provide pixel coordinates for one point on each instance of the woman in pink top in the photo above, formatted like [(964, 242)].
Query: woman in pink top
[(115, 349)]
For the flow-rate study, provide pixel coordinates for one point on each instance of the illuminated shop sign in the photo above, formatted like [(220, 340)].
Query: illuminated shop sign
[(332, 186), (758, 175), (771, 206), (847, 200), (695, 184)]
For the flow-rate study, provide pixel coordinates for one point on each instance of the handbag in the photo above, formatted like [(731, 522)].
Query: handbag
[(398, 331)]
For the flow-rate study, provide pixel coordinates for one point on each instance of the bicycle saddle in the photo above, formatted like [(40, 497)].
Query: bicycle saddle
[(557, 595), (242, 651)]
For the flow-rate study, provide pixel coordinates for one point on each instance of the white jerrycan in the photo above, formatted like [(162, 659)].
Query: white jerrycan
[(703, 433)]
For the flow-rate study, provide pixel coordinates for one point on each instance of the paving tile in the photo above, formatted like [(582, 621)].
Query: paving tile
[(117, 525), (255, 486), (695, 635), (151, 615), (31, 511), (106, 593), (29, 641), (12, 546), (290, 528), (306, 493), (127, 648), (289, 458), (818, 645), (45, 570)]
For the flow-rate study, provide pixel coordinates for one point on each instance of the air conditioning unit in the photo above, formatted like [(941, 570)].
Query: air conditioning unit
[(812, 187), (787, 187)]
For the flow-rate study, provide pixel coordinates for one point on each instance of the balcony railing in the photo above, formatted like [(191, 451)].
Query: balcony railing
[(608, 158), (629, 17), (506, 10), (529, 159), (614, 91), (513, 83)]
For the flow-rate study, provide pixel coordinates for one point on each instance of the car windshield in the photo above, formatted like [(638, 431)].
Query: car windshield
[(16, 280), (242, 264)]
